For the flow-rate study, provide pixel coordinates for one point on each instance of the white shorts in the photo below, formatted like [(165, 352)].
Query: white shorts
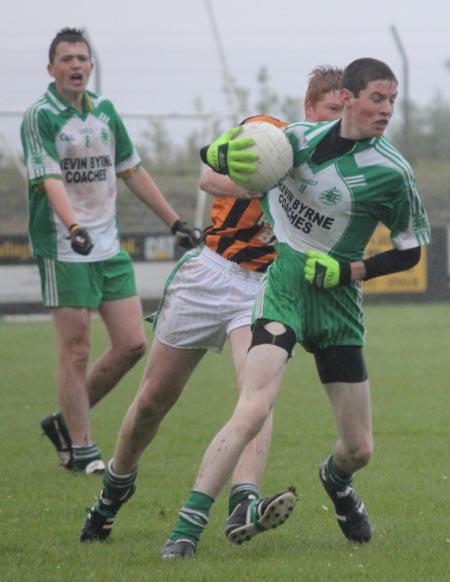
[(205, 298)]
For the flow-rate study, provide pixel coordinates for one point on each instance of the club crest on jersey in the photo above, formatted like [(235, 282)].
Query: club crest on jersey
[(331, 196)]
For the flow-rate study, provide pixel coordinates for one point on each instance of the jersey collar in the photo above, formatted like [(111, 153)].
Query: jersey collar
[(62, 104), (318, 132)]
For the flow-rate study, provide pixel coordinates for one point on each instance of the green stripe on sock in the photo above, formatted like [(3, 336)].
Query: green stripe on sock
[(82, 456), (116, 485), (193, 517)]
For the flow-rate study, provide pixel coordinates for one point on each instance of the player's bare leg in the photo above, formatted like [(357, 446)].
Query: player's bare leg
[(252, 462), (72, 429), (72, 327), (262, 382), (352, 410), (72, 333), (167, 372), (123, 320)]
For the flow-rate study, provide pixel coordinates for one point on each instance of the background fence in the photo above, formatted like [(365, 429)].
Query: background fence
[(155, 254), (164, 141)]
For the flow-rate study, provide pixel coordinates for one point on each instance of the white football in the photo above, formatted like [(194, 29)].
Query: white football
[(275, 155)]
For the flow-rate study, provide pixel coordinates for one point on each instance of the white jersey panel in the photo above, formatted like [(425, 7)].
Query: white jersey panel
[(333, 206), (86, 151), (311, 211)]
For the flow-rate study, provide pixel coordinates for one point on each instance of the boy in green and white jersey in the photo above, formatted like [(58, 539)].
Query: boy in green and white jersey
[(346, 178), (334, 205), (87, 150), (75, 147)]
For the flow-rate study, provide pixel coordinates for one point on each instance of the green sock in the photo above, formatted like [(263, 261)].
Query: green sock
[(340, 479), (193, 517), (114, 485), (82, 456), (241, 491)]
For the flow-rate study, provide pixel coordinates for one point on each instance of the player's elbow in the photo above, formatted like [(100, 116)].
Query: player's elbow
[(205, 181)]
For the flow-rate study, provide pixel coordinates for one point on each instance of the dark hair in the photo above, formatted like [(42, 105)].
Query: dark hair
[(322, 80), (71, 35), (358, 74)]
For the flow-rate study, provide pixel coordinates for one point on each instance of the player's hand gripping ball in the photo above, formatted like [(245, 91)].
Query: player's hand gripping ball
[(274, 156)]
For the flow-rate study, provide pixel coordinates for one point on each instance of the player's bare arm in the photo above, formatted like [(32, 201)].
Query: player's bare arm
[(222, 186)]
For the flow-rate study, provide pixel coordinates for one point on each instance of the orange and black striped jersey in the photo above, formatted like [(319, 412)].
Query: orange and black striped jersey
[(239, 232)]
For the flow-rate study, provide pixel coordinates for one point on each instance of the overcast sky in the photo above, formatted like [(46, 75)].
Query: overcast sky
[(160, 55)]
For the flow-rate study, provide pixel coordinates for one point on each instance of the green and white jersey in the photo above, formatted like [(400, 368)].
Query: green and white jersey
[(334, 207), (87, 151)]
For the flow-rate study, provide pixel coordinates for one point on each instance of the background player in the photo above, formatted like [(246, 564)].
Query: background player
[(75, 147)]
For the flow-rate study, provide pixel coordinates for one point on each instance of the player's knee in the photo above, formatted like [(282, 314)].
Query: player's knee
[(148, 414), (75, 353), (267, 332), (250, 417), (252, 426), (140, 349), (152, 405), (134, 351)]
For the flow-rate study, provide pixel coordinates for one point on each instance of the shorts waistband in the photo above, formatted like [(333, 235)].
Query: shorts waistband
[(217, 260)]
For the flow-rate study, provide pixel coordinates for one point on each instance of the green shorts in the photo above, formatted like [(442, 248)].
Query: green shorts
[(66, 284), (320, 318)]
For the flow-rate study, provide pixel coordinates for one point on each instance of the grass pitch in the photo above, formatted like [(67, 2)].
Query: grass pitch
[(406, 488)]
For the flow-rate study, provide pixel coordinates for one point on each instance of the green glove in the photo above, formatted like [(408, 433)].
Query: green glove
[(227, 155), (325, 272)]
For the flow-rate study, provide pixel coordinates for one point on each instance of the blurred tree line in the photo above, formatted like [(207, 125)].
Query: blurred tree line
[(176, 168)]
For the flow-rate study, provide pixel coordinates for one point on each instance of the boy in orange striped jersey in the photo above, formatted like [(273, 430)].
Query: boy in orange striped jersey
[(208, 298)]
